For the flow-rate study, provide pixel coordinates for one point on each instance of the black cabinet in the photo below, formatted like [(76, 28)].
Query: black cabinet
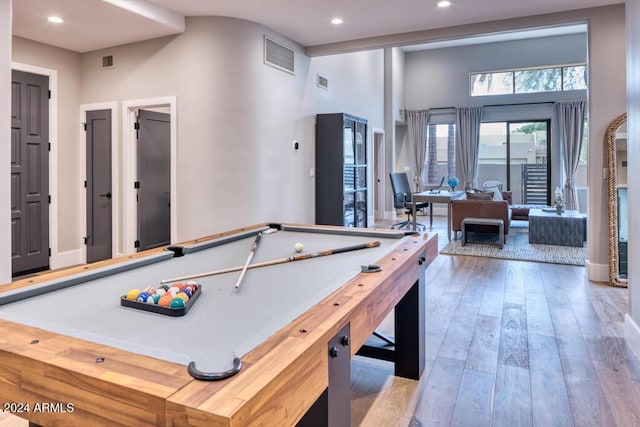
[(341, 170)]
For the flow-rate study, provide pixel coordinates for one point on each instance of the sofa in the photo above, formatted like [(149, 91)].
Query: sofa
[(461, 209), (519, 212)]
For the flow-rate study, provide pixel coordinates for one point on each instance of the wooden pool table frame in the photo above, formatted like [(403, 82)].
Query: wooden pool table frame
[(280, 379)]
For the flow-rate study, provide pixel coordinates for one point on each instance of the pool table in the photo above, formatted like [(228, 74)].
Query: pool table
[(70, 353)]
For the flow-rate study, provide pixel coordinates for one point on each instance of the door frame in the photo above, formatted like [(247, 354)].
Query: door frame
[(129, 168), (379, 173), (115, 166), (56, 260)]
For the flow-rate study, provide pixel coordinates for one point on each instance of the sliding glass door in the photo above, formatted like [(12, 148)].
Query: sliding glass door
[(517, 155)]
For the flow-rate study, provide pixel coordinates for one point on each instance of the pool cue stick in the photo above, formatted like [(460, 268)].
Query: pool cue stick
[(252, 252), (276, 261)]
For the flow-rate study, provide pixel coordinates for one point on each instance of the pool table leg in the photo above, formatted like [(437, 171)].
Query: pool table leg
[(333, 407), (407, 352), (410, 337)]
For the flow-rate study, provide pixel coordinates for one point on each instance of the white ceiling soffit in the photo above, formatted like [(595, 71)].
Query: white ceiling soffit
[(501, 37), (93, 24)]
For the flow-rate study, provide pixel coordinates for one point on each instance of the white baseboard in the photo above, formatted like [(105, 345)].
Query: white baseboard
[(597, 272), (632, 334), (66, 259)]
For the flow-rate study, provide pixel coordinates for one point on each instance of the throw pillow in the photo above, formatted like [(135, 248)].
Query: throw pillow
[(479, 195)]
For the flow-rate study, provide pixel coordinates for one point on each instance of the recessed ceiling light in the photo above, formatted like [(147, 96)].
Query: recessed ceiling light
[(55, 19), (444, 3), (337, 21)]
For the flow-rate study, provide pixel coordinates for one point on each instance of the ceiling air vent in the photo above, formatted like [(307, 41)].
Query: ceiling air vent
[(323, 82), (278, 55), (107, 61)]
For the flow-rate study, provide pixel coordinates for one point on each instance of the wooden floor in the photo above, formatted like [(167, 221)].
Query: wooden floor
[(509, 343)]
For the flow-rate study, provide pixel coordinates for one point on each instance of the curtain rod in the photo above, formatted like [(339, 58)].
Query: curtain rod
[(498, 105)]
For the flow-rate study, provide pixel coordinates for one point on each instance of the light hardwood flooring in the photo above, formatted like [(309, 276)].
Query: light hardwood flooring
[(509, 343)]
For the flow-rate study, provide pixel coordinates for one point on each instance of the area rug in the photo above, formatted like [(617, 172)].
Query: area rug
[(517, 247)]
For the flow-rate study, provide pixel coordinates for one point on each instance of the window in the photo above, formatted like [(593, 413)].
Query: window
[(517, 154), (574, 77), (491, 84), (542, 80), (529, 80)]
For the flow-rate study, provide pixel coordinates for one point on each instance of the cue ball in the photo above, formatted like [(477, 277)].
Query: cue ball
[(299, 247)]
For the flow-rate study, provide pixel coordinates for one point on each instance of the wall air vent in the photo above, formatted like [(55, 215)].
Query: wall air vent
[(107, 61), (323, 82), (279, 56)]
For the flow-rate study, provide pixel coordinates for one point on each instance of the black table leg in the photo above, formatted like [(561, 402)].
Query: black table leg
[(333, 407), (408, 349), (410, 333)]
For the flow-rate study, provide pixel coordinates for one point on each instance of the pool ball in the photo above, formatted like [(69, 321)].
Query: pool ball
[(150, 290), (160, 291), (142, 297), (156, 298), (183, 296), (299, 247), (133, 294), (165, 300), (165, 287), (177, 303)]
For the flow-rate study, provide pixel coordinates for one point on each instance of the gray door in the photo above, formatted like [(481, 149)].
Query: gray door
[(29, 172), (98, 184), (154, 179)]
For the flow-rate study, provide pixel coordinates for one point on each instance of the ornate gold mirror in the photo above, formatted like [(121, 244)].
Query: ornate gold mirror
[(612, 140)]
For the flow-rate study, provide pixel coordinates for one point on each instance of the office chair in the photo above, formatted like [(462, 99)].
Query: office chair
[(402, 199)]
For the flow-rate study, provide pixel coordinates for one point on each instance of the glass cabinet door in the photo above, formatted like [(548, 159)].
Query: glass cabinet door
[(349, 209), (360, 143), (349, 142), (349, 178), (361, 208)]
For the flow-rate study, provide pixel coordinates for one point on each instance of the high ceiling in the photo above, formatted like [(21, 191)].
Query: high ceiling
[(95, 24)]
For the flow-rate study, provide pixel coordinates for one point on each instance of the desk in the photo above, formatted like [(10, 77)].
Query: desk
[(549, 228), (98, 363), (440, 196)]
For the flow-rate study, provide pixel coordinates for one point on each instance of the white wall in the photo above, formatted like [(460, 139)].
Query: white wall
[(237, 119), (632, 329), (5, 141), (356, 86), (439, 77), (607, 100)]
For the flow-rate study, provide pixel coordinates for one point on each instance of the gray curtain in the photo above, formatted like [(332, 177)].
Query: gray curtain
[(467, 144), (432, 162), (417, 134), (570, 115)]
